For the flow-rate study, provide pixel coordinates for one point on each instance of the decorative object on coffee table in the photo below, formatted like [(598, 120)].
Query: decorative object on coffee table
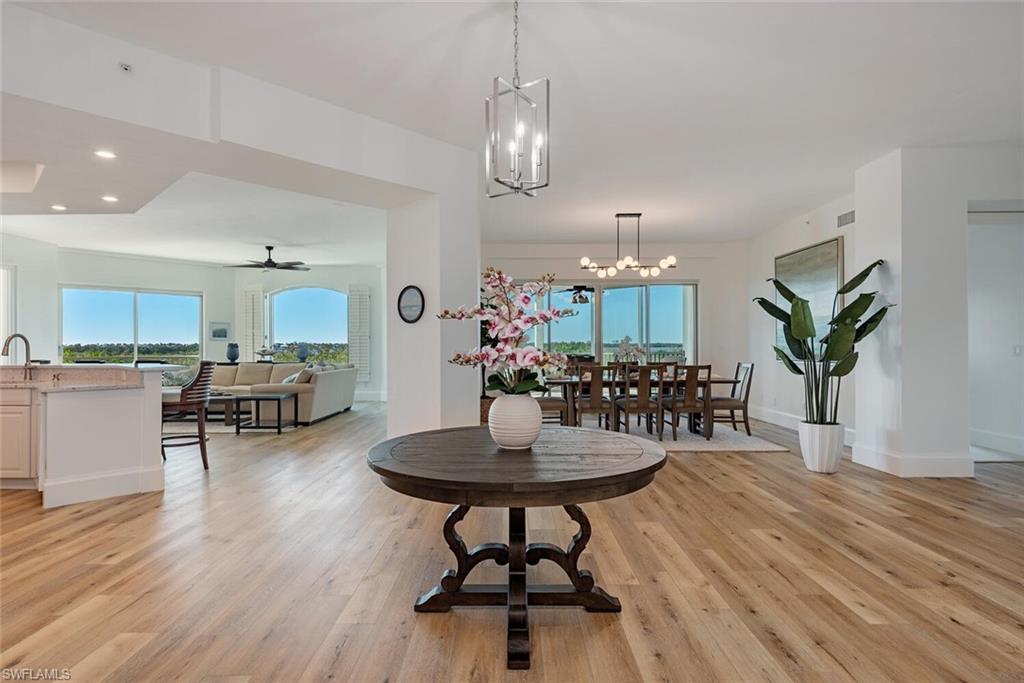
[(824, 364), (233, 353), (507, 310), (464, 467)]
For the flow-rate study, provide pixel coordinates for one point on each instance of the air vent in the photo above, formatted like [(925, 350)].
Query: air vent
[(845, 219)]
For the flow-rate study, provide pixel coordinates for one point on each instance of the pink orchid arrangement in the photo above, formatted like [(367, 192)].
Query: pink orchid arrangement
[(507, 312)]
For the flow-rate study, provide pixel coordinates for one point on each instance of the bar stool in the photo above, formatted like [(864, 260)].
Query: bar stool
[(193, 397)]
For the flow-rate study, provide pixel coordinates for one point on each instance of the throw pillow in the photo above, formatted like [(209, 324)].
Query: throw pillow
[(304, 376), (291, 379)]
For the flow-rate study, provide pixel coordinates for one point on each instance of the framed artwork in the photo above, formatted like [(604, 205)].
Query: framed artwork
[(815, 273), (220, 331)]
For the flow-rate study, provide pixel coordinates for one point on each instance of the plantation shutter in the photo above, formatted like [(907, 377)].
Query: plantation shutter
[(251, 334), (359, 331)]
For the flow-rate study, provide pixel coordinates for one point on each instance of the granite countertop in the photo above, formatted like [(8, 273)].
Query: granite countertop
[(47, 388)]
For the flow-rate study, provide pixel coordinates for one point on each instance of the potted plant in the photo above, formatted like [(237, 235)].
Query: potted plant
[(508, 312), (823, 362)]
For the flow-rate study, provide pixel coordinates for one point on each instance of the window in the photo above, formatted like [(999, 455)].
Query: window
[(125, 326), (573, 335), (310, 317), (622, 319)]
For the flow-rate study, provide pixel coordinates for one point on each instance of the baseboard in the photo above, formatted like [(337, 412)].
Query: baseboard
[(997, 441), (104, 485), (790, 421), (915, 464)]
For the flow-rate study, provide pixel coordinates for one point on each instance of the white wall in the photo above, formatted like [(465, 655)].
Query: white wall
[(35, 265), (776, 395), (719, 268), (340, 278), (995, 336), (911, 380)]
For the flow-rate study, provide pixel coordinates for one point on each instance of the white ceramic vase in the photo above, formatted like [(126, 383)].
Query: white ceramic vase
[(821, 446), (514, 421)]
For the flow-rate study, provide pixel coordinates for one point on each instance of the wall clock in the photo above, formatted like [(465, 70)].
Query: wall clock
[(410, 304)]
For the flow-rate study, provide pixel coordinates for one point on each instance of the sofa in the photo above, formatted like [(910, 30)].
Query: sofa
[(327, 392)]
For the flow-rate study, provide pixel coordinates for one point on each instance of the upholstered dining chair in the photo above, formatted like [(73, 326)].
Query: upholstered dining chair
[(650, 389), (595, 392), (685, 398), (553, 406), (738, 398), (193, 397)]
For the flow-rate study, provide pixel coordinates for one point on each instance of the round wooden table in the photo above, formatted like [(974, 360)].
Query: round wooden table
[(566, 466)]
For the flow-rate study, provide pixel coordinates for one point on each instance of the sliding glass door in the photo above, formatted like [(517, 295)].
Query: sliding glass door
[(573, 335), (124, 326), (661, 319)]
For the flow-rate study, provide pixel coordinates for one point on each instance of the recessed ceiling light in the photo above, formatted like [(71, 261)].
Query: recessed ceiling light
[(58, 207), (109, 198), (105, 154)]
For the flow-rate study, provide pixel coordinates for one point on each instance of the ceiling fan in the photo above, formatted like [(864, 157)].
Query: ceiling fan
[(271, 264), (579, 293)]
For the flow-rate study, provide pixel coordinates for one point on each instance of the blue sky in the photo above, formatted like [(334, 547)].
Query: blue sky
[(310, 314), (100, 316)]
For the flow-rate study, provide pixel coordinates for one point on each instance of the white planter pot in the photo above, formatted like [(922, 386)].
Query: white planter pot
[(514, 421), (821, 446)]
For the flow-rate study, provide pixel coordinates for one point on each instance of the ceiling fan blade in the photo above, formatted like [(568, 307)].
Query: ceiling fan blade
[(247, 265), (280, 267), (291, 263)]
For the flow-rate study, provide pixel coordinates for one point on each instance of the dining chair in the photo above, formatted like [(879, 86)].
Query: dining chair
[(738, 398), (193, 397), (650, 388), (599, 382), (684, 397), (553, 405)]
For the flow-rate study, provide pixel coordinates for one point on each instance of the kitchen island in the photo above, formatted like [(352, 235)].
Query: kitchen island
[(81, 432)]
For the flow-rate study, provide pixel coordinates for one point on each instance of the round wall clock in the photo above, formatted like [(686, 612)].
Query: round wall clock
[(410, 304)]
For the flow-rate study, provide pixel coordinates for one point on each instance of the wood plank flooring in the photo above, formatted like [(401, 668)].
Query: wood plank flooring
[(289, 561)]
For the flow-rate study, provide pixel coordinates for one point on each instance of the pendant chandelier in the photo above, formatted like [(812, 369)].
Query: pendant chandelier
[(622, 262), (517, 114)]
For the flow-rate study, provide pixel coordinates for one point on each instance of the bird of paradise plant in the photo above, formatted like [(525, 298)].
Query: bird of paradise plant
[(507, 312), (835, 355)]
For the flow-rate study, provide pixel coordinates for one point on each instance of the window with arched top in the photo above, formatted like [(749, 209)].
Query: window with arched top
[(310, 322)]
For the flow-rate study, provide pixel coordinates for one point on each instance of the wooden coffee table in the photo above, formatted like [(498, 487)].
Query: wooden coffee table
[(567, 466)]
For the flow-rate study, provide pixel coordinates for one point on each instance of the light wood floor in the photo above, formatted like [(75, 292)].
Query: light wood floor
[(289, 561)]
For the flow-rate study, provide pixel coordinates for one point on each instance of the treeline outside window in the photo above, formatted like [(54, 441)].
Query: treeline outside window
[(313, 320), (125, 326), (659, 318)]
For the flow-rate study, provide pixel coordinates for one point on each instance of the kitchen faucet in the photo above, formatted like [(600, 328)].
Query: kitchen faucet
[(28, 352)]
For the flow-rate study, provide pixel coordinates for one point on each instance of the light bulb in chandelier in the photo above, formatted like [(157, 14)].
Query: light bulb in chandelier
[(620, 264), (644, 272), (612, 272), (655, 271), (585, 261), (601, 274), (663, 263), (592, 267), (628, 260), (671, 260)]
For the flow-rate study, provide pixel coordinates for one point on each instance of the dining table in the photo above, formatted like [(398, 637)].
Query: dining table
[(570, 383)]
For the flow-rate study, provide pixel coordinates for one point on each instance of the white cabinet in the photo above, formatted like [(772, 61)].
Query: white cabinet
[(16, 442)]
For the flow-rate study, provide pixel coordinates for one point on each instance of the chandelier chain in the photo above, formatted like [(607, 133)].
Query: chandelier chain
[(515, 43)]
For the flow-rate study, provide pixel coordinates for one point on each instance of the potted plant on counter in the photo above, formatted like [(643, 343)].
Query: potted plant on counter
[(509, 312), (822, 363)]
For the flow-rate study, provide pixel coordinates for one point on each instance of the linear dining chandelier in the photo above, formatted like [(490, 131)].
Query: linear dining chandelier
[(622, 262), (517, 153)]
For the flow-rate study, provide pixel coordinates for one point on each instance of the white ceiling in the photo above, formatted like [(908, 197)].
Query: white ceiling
[(206, 218), (716, 120)]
